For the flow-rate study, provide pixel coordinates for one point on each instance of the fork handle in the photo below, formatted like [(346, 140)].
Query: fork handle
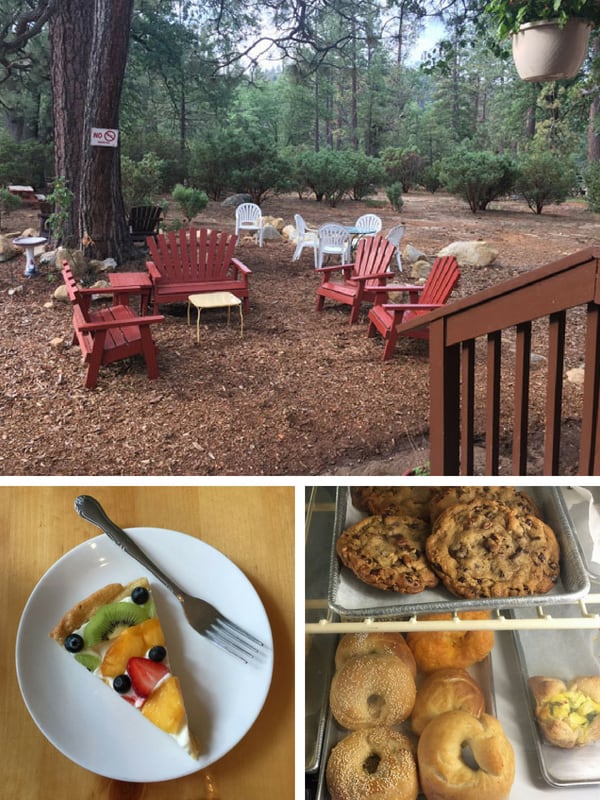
[(91, 510)]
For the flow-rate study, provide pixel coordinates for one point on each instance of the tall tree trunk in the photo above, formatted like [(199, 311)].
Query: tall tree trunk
[(90, 40), (71, 30)]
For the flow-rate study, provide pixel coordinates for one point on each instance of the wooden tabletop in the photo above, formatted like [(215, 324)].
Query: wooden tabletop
[(254, 527)]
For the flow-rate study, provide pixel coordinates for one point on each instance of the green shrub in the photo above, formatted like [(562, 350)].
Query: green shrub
[(60, 200), (365, 173), (544, 177), (211, 162), (327, 173), (141, 181), (592, 179), (24, 162), (8, 202), (478, 176), (191, 201), (431, 178), (402, 166), (394, 195)]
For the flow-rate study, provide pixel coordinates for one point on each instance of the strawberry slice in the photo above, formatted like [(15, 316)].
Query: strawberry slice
[(145, 674)]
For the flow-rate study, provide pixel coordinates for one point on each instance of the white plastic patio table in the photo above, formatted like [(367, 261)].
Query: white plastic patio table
[(214, 300)]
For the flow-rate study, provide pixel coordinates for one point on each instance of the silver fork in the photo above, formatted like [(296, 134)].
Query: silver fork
[(201, 615)]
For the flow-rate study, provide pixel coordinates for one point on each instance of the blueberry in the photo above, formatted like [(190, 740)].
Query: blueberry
[(140, 595), (122, 684), (157, 653), (74, 643)]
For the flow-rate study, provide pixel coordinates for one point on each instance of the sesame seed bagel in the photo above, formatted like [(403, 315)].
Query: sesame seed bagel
[(376, 763), (372, 690), (363, 644)]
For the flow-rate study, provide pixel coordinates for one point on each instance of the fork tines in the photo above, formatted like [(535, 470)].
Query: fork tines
[(233, 639)]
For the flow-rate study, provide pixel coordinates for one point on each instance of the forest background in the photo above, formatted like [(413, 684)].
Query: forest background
[(323, 96)]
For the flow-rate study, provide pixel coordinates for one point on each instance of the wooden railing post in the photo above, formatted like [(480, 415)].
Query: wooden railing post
[(444, 429)]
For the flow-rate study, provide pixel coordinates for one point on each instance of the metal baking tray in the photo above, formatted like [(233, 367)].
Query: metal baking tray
[(481, 672), (319, 670), (353, 599), (564, 654)]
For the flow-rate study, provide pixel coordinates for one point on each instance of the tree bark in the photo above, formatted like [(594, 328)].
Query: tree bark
[(90, 40), (71, 29)]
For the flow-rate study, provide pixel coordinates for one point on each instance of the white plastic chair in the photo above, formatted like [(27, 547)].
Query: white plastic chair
[(334, 240), (248, 217), (394, 235), (368, 224), (306, 237)]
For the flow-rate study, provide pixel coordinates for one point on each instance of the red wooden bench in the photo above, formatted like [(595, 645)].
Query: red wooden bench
[(387, 318), (193, 261), (109, 334), (359, 280)]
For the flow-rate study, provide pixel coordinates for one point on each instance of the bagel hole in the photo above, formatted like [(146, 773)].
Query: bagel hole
[(371, 764), (375, 705), (467, 756)]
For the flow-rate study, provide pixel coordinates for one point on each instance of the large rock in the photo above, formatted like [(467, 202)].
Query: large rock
[(420, 270), (236, 200), (271, 234), (276, 222), (411, 254), (470, 254), (75, 258), (61, 294), (8, 249), (289, 232)]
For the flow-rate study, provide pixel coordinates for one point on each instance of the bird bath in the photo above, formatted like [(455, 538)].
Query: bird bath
[(30, 243)]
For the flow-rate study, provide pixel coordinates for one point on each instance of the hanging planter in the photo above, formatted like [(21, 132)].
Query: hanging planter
[(547, 51), (550, 38)]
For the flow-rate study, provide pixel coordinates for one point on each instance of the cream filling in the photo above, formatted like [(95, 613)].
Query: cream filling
[(182, 737)]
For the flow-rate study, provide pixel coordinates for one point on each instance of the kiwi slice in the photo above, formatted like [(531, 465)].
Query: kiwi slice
[(110, 617), (88, 660)]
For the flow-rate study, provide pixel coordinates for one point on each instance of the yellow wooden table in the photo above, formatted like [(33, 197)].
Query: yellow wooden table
[(214, 300), (252, 526)]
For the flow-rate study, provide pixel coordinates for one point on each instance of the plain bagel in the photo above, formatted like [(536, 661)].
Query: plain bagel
[(372, 690), (363, 644), (377, 763), (449, 689), (461, 757)]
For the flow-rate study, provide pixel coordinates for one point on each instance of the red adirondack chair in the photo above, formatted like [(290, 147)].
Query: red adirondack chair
[(359, 280), (192, 261), (388, 317), (109, 334)]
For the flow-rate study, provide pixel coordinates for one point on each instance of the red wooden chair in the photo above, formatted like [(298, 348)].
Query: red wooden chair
[(359, 280), (192, 261), (109, 334), (388, 317)]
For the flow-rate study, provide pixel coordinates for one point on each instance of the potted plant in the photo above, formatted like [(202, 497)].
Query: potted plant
[(549, 37)]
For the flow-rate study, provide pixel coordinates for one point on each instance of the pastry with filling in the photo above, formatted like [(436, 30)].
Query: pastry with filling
[(116, 634)]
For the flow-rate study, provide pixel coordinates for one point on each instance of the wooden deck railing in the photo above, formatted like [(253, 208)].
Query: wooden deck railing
[(492, 331)]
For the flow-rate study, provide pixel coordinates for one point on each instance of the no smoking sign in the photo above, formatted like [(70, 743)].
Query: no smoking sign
[(105, 137)]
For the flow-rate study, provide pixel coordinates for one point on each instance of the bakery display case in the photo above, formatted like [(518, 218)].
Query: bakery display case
[(556, 633)]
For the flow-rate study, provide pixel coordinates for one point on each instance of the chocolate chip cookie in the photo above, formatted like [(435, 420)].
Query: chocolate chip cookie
[(445, 497), (488, 549), (388, 552), (394, 500)]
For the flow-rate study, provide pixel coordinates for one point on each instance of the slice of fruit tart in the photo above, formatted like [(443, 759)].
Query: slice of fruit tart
[(116, 634)]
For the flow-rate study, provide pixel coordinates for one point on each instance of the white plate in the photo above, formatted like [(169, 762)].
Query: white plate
[(85, 719)]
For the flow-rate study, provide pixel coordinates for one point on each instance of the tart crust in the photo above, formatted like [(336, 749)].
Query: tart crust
[(86, 608)]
